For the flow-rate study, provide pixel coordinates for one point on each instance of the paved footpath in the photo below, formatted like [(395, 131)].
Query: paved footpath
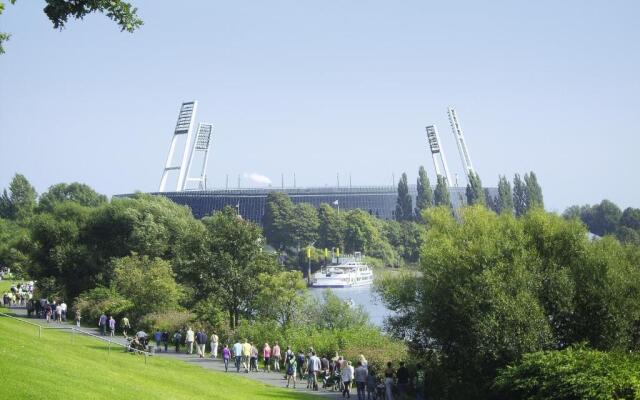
[(270, 378)]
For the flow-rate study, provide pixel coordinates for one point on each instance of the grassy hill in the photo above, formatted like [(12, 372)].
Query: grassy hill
[(53, 368)]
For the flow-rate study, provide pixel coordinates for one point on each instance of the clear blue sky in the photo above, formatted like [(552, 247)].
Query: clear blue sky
[(322, 87)]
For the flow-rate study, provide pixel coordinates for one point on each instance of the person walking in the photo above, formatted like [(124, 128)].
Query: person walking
[(201, 343), (347, 377), (402, 376), (291, 366), (388, 381), (63, 308), (102, 323), (360, 376), (177, 339), (48, 311), (237, 353), (254, 358), (266, 356), (158, 338), (59, 313), (246, 356), (78, 318), (214, 345), (314, 368), (275, 355), (112, 326), (226, 355), (189, 338), (125, 326), (165, 340), (420, 382), (372, 383)]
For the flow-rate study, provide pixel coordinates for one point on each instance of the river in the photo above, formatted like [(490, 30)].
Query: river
[(361, 296)]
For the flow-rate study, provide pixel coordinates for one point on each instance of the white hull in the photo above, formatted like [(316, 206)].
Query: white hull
[(347, 275)]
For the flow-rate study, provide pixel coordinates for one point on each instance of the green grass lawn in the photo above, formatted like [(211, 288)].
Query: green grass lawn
[(53, 368)]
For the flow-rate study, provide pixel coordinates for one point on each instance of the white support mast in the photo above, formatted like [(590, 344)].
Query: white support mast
[(460, 140), (200, 147), (184, 126), (437, 153)]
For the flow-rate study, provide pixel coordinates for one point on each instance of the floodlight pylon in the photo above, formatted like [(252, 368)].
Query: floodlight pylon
[(461, 142), (184, 126), (201, 145), (437, 153)]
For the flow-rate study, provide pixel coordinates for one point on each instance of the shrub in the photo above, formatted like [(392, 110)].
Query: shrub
[(169, 321), (100, 300), (573, 373)]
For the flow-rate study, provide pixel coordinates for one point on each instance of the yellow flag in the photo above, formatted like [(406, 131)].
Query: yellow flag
[(337, 251), (309, 252), (326, 252)]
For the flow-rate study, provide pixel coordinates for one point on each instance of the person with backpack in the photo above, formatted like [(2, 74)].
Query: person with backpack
[(300, 361), (102, 323), (291, 370), (177, 338), (165, 340)]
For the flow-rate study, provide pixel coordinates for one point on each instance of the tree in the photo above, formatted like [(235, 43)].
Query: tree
[(20, 201), (404, 208), (331, 227), (360, 233), (281, 296), (533, 192), (78, 192), (631, 218), (59, 12), (504, 202), (602, 219), (225, 265), (519, 196), (441, 193), (304, 224), (475, 192), (278, 214), (148, 283), (424, 198)]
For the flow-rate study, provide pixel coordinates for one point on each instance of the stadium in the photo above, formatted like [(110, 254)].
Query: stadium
[(189, 170)]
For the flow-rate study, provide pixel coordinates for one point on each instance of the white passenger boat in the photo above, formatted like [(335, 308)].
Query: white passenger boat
[(350, 273)]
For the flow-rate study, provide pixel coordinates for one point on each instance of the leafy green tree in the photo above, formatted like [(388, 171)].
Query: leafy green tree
[(574, 373), (331, 227), (15, 247), (78, 192), (304, 224), (333, 313), (441, 193), (504, 201), (360, 233), (60, 251), (281, 297), (631, 218), (519, 196), (602, 219), (533, 191), (20, 201), (475, 192), (279, 210), (147, 282), (226, 265), (59, 12), (404, 207), (424, 199)]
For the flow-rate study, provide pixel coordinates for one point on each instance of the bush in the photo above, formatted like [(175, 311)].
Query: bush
[(94, 302), (573, 373), (169, 321)]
